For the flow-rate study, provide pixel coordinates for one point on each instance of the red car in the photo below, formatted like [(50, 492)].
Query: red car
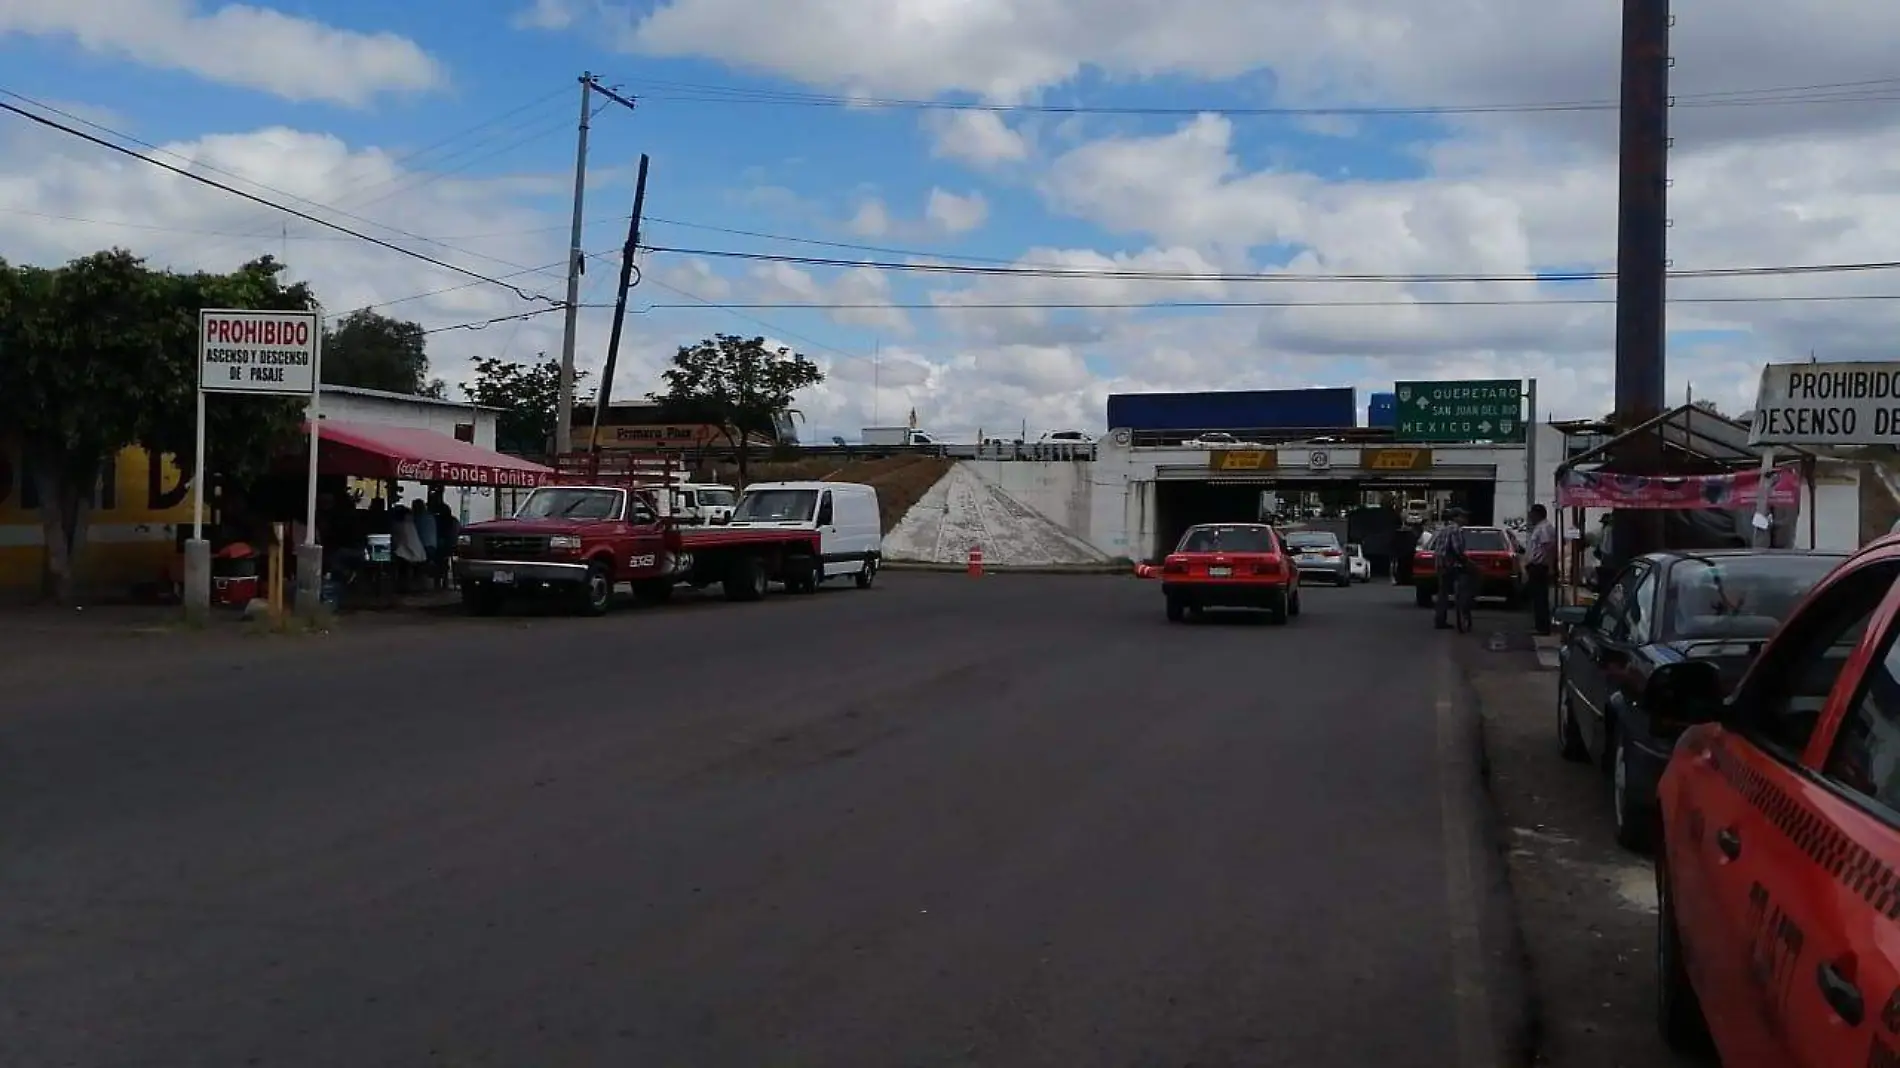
[(1777, 894), (1230, 565), (1495, 553)]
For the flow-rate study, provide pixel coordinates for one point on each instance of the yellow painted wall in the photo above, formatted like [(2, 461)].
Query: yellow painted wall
[(130, 534)]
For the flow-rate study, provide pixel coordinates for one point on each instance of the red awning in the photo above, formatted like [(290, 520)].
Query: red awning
[(369, 450)]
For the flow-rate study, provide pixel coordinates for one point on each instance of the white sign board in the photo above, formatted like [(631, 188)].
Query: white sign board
[(1827, 404), (258, 351)]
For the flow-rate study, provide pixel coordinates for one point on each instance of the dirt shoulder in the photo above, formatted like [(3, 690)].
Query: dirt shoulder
[(1587, 907)]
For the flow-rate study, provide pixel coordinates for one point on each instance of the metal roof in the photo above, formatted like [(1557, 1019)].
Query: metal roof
[(1687, 429)]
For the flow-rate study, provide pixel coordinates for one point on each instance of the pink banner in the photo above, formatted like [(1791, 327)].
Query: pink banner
[(1596, 489)]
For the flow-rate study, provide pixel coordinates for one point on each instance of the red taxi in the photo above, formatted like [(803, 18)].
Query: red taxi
[(1494, 553), (1778, 880), (1230, 565)]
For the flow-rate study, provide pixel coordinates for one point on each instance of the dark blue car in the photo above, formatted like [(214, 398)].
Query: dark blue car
[(1720, 605)]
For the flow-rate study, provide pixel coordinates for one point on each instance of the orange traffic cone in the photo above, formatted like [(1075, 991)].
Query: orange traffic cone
[(976, 561), (1144, 571)]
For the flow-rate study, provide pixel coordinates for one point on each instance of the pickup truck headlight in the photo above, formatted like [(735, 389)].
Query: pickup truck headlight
[(463, 541), (564, 541)]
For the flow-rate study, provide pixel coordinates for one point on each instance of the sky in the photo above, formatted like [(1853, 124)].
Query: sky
[(807, 156)]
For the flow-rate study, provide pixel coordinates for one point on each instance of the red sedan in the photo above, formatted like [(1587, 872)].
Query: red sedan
[(1230, 565)]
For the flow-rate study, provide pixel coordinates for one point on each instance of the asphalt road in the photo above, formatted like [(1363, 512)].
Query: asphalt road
[(1008, 821)]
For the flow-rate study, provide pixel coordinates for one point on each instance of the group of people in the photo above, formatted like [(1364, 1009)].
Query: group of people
[(1458, 579), (421, 537)]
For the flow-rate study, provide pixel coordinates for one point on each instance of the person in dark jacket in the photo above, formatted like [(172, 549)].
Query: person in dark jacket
[(1404, 545)]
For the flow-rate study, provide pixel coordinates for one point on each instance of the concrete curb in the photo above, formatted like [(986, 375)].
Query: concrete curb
[(1000, 569)]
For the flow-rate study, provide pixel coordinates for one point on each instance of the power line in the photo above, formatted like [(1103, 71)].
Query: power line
[(254, 198), (189, 163), (735, 311), (1093, 273), (1869, 90), (1163, 305)]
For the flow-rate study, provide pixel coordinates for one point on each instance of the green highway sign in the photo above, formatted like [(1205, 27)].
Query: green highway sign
[(1483, 410)]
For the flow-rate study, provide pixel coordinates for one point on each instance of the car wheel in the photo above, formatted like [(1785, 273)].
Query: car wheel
[(866, 575), (1421, 596), (746, 580), (1343, 580), (1570, 742), (597, 592), (1293, 602), (1678, 1010), (1177, 612), (1278, 608), (1632, 820)]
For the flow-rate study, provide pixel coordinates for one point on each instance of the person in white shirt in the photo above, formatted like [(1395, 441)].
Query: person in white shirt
[(1540, 557)]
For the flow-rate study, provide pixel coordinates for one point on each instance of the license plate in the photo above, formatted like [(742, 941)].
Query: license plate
[(1220, 572), (503, 578), (1312, 559)]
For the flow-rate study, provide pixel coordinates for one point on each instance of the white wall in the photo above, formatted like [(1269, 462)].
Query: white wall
[(1834, 502), (473, 503), (1059, 491)]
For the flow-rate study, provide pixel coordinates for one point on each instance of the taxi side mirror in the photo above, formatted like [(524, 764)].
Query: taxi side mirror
[(1684, 693)]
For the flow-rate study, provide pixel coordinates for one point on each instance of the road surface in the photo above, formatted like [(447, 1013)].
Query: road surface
[(950, 821)]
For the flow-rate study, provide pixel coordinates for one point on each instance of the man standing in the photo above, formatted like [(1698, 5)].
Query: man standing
[(1448, 558), (1539, 557)]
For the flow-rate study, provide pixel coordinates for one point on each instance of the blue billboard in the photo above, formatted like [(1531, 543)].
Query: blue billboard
[(1238, 410)]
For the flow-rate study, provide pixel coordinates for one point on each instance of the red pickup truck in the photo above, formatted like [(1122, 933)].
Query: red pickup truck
[(606, 523)]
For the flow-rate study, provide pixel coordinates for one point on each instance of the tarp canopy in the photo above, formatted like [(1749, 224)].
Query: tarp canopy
[(411, 454)]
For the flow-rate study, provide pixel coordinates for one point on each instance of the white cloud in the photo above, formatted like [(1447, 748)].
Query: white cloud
[(548, 15), (872, 219), (955, 214), (259, 48), (979, 138)]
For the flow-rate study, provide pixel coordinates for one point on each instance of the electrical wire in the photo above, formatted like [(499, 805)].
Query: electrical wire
[(254, 198), (1164, 305), (188, 163), (1092, 273), (1864, 91)]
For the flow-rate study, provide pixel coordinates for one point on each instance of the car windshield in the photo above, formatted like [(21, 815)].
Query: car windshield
[(1227, 540), (568, 502), (1313, 539), (776, 506), (1739, 596), (717, 498), (1486, 541)]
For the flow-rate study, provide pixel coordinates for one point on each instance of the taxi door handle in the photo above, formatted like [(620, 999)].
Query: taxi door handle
[(1841, 995), (1729, 843)]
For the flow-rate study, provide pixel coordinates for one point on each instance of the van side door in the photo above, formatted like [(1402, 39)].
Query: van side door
[(826, 520)]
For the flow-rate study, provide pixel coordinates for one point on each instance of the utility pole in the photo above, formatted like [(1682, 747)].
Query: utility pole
[(1642, 254), (605, 393), (576, 262)]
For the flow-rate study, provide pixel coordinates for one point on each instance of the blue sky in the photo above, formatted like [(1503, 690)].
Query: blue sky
[(1403, 194)]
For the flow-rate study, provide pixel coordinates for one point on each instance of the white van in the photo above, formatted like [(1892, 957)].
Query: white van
[(844, 514), (704, 502)]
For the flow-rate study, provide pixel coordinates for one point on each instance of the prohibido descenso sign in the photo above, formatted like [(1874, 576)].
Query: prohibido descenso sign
[(1827, 404), (258, 351)]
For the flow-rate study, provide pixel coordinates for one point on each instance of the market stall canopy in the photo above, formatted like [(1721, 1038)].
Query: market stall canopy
[(411, 454)]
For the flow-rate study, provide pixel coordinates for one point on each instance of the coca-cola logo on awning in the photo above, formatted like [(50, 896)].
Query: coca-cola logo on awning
[(416, 471)]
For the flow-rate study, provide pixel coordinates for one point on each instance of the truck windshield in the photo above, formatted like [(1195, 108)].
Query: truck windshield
[(717, 498), (567, 502), (776, 506)]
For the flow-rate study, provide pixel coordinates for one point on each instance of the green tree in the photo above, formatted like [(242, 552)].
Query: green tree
[(102, 353), (737, 384), (528, 395), (372, 351)]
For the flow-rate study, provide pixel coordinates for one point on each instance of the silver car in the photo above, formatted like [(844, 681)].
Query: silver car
[(1318, 554)]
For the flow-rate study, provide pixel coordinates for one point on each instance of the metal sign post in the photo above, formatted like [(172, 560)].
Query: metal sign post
[(271, 353)]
